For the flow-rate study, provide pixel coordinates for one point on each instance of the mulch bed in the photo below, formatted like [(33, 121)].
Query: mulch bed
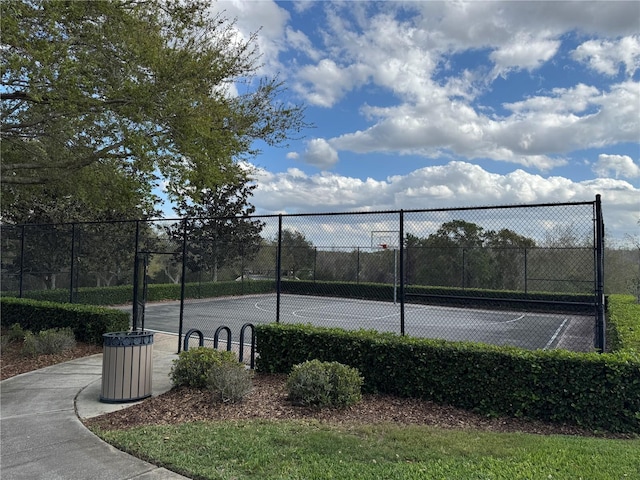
[(268, 401)]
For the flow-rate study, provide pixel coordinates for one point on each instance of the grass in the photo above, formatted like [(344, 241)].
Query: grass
[(268, 450)]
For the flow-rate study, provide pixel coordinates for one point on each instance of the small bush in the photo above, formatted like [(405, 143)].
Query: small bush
[(230, 382), (15, 333), (324, 384), (192, 368), (46, 342)]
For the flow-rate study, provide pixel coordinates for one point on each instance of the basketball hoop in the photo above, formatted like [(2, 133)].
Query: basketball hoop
[(383, 246)]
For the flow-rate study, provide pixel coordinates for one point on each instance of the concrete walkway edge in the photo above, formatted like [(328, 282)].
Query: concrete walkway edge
[(42, 436)]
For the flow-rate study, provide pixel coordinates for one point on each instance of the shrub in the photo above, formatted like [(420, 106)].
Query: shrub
[(595, 391), (623, 323), (230, 382), (87, 322), (324, 384), (192, 368), (45, 342), (15, 333)]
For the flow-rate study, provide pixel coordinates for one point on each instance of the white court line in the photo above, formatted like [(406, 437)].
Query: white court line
[(555, 335), (346, 316)]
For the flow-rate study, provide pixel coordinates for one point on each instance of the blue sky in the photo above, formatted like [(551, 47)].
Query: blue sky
[(430, 104)]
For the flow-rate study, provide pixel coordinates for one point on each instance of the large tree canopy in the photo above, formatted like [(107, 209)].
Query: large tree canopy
[(143, 88)]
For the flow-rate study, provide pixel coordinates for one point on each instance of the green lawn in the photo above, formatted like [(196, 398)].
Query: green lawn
[(295, 450)]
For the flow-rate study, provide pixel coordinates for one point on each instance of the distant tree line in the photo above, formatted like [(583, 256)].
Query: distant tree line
[(233, 247)]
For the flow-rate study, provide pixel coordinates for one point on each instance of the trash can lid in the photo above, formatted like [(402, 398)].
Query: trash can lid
[(125, 339)]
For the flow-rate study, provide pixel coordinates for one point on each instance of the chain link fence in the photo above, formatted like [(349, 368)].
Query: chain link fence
[(528, 276)]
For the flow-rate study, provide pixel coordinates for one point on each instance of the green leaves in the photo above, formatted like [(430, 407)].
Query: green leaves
[(193, 367), (324, 384), (87, 322), (623, 323), (140, 85), (597, 391)]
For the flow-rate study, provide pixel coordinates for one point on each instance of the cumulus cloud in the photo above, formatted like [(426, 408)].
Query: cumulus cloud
[(441, 65), (618, 165), (436, 116), (265, 17), (455, 184), (538, 133), (320, 154), (607, 56), (326, 83), (524, 53)]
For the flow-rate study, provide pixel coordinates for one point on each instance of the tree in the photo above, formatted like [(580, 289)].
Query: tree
[(462, 253), (141, 86), (103, 252), (217, 227), (298, 254), (167, 264), (456, 255), (507, 251)]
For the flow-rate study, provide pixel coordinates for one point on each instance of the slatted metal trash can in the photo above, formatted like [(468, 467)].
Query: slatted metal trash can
[(127, 366)]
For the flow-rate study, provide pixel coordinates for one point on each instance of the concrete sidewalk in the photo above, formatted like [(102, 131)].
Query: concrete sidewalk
[(41, 436)]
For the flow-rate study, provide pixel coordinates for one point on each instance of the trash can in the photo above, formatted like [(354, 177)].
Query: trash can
[(127, 366)]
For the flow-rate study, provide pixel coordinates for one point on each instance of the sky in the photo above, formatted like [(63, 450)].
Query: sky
[(427, 104)]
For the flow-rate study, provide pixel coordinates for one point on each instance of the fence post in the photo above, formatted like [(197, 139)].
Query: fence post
[(136, 277), (73, 257), (21, 261), (278, 266), (464, 264), (599, 252), (526, 272), (315, 262), (183, 277), (401, 247)]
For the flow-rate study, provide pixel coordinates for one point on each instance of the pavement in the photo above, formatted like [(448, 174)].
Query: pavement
[(41, 433)]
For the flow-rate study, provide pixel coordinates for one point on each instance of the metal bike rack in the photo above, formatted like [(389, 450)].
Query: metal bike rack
[(216, 341)]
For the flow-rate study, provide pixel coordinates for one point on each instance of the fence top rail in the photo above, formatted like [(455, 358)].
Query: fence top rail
[(316, 214)]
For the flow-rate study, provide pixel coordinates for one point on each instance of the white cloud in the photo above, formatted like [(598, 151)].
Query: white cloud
[(455, 184), (606, 56), (413, 51), (265, 17), (326, 83), (524, 53), (297, 40), (619, 165), (440, 116), (538, 133), (320, 154)]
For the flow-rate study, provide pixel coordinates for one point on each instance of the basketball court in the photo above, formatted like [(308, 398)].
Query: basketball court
[(498, 327)]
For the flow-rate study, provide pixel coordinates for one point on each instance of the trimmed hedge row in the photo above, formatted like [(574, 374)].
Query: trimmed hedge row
[(447, 296), (623, 323), (123, 294), (87, 322), (595, 391)]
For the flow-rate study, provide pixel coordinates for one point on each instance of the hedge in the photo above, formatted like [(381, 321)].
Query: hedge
[(595, 391), (123, 294), (623, 323), (448, 296), (87, 322)]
